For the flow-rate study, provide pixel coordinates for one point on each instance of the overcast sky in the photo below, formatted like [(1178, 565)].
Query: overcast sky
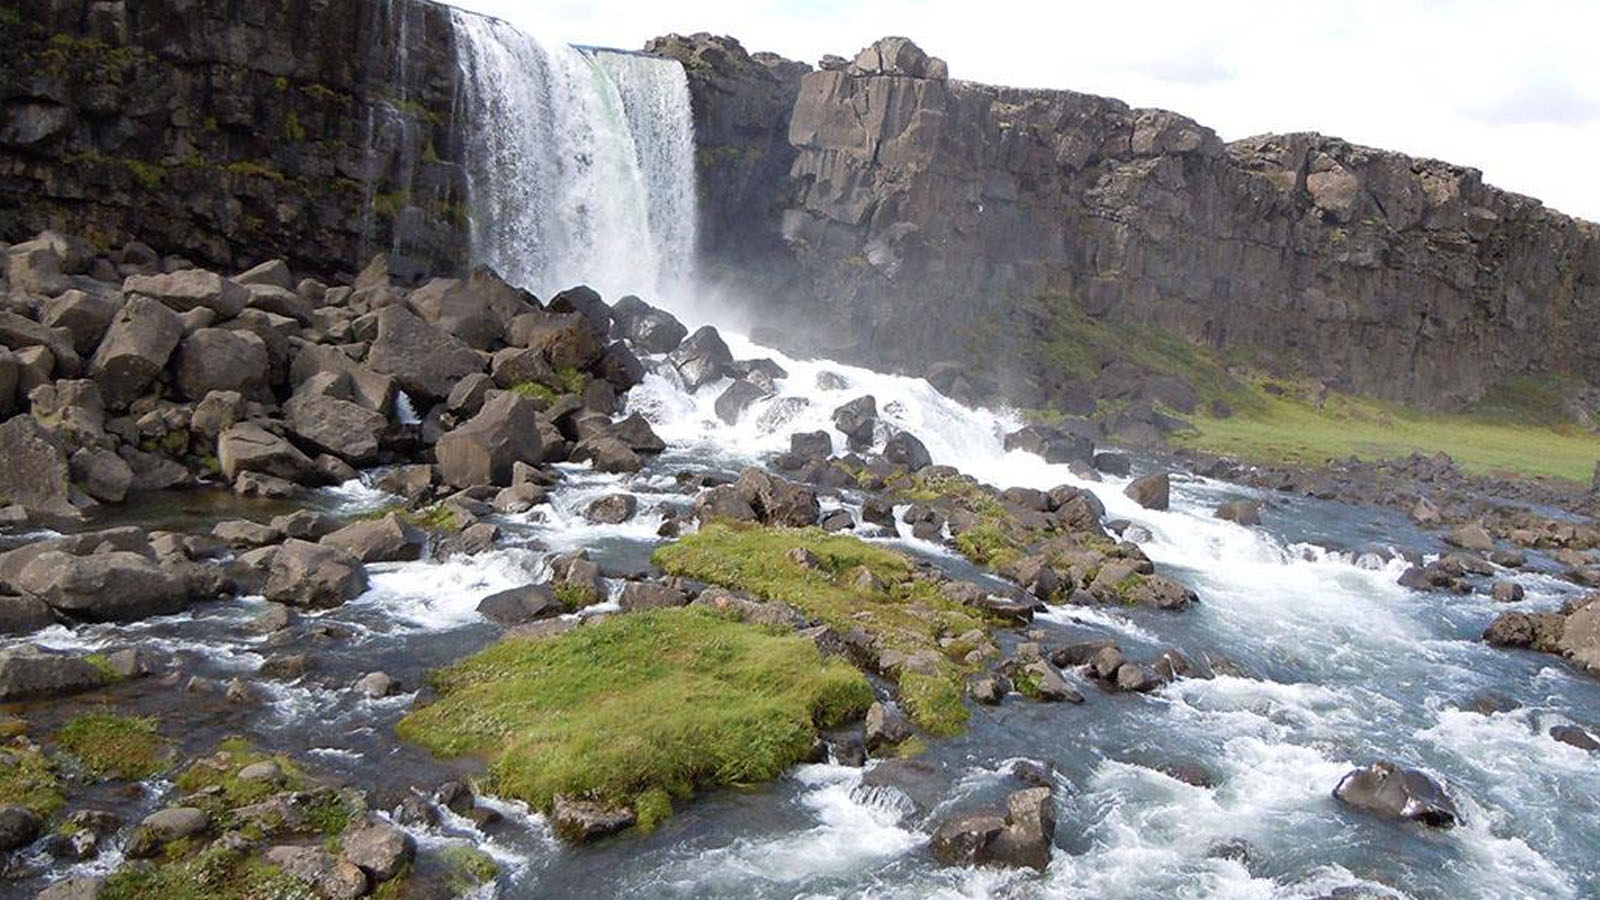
[(1512, 89)]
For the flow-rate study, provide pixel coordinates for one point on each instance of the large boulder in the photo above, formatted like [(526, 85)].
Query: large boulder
[(736, 398), (1389, 790), (1580, 636), (117, 586), (857, 420), (135, 350), (334, 877), (580, 821), (380, 849), (456, 309), (568, 341), (1030, 830), (650, 330), (247, 447), (190, 289), (222, 359), (316, 576), (28, 673), (520, 605), (425, 360), (19, 826), (34, 471), (904, 449), (777, 501), (482, 451), (86, 316), (702, 358), (370, 389), (1151, 491), (388, 539), (325, 414)]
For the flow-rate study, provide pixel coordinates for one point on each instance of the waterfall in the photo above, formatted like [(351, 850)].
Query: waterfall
[(580, 163)]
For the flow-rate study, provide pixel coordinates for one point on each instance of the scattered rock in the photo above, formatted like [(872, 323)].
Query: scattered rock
[(316, 576), (389, 539), (1389, 790), (612, 509), (1243, 512), (380, 849), (580, 821), (520, 605), (484, 450), (1151, 491), (858, 421)]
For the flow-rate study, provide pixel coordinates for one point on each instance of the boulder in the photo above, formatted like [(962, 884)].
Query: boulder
[(380, 849), (776, 501), (34, 267), (701, 359), (736, 398), (965, 840), (1243, 512), (85, 316), (273, 273), (426, 361), (34, 471), (520, 605), (1575, 736), (221, 359), (811, 444), (30, 673), (176, 822), (115, 586), (642, 595), (1030, 830), (1533, 631), (857, 420), (135, 349), (723, 502), (247, 447), (484, 450), (1151, 491), (389, 539), (580, 821), (650, 330), (317, 576), (904, 449), (333, 422), (1507, 592), (1389, 790), (612, 509), (450, 305), (885, 728), (568, 341), (1471, 536), (366, 387), (190, 289), (607, 454), (334, 877), (101, 474), (19, 827), (1580, 636)]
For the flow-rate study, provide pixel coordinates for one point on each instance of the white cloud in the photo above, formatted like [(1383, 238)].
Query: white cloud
[(1513, 90)]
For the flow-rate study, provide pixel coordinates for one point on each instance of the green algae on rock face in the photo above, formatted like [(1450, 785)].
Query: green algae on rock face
[(668, 700), (908, 617), (109, 745)]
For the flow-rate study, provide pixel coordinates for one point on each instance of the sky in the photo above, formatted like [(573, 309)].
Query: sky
[(1512, 89)]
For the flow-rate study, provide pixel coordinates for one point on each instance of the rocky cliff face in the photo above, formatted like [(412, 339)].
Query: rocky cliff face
[(928, 219), (313, 130)]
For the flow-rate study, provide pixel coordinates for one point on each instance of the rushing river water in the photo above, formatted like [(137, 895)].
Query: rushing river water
[(583, 169)]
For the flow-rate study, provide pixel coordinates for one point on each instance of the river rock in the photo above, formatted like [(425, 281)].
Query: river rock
[(1030, 830), (484, 450), (316, 576), (701, 359), (520, 605), (325, 414), (776, 501), (34, 471), (1507, 592), (1534, 631), (904, 449), (858, 421), (19, 827), (380, 849), (885, 728), (176, 822), (1575, 736), (1243, 512), (736, 398), (965, 840), (612, 509), (1151, 491), (28, 672), (1580, 636), (135, 350), (389, 539), (116, 586), (580, 821), (334, 877), (1471, 536), (642, 595), (568, 341), (651, 330), (1389, 790), (247, 447)]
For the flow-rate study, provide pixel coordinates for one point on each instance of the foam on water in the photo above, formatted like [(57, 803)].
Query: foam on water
[(431, 595)]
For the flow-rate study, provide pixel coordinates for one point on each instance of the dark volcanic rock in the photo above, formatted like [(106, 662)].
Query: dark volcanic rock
[(1390, 790)]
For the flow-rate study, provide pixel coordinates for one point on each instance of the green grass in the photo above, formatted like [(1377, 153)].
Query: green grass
[(113, 746), (907, 616), (216, 874), (215, 784), (573, 595), (1289, 429), (533, 390), (28, 778), (466, 868), (669, 700)]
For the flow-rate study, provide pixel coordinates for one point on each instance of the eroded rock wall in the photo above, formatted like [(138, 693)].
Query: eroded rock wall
[(928, 219), (313, 130)]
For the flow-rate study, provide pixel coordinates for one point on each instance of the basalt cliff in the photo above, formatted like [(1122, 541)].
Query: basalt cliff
[(873, 209)]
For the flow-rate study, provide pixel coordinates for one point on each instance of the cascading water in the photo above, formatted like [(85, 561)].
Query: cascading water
[(581, 163)]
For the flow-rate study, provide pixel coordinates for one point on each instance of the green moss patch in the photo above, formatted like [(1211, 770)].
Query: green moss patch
[(28, 778), (113, 746), (215, 874), (669, 700), (904, 614)]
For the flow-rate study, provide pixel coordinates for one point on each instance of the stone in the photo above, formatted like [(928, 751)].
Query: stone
[(34, 471), (426, 361), (581, 821), (190, 289), (904, 449), (642, 595), (1471, 536), (336, 425), (101, 474), (1150, 491), (520, 605), (568, 341), (247, 447), (607, 454), (649, 329), (1575, 736), (857, 420), (273, 273), (77, 887), (85, 316), (736, 398), (177, 822), (335, 878), (811, 444), (484, 450), (701, 359), (612, 509), (376, 685), (315, 576), (242, 534), (29, 673), (116, 586), (1534, 631), (885, 728), (965, 840), (380, 849), (1580, 636), (135, 349), (220, 359), (453, 307), (1030, 830), (1390, 790), (1243, 512), (389, 539), (19, 827), (1045, 683), (1507, 592), (776, 501)]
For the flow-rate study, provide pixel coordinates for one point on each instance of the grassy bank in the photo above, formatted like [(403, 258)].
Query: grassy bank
[(638, 708)]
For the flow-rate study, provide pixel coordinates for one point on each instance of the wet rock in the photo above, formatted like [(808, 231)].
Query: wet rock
[(989, 689), (641, 595), (858, 421), (651, 330), (580, 821), (1387, 789), (117, 586), (1030, 830), (838, 520), (389, 539), (701, 359), (1471, 536), (1116, 464), (484, 450), (885, 728), (1577, 737), (19, 827), (612, 509), (965, 840), (811, 444), (1580, 636), (1510, 558), (134, 350), (1243, 512), (736, 398), (1534, 631), (316, 576), (286, 666), (776, 501), (1151, 491), (1136, 678), (335, 878), (1055, 445), (1507, 592), (177, 822), (904, 449), (380, 849), (242, 534), (520, 605), (607, 454), (1040, 680)]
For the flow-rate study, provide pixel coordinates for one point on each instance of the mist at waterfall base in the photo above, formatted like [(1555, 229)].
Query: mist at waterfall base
[(582, 172)]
